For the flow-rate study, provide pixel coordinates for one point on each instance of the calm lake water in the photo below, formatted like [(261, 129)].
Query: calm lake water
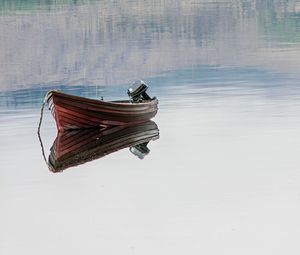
[(223, 178)]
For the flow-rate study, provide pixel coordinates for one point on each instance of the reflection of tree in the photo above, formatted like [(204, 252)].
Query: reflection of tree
[(105, 42), (280, 20), (8, 5)]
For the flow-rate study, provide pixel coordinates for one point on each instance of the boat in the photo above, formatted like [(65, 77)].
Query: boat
[(74, 112), (76, 147)]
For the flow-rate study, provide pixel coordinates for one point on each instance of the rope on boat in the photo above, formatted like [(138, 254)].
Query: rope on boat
[(42, 146), (40, 124)]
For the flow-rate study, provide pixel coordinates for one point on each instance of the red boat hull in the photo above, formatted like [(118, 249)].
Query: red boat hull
[(74, 112)]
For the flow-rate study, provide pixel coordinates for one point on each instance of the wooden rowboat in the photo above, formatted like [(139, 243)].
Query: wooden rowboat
[(74, 112), (76, 147)]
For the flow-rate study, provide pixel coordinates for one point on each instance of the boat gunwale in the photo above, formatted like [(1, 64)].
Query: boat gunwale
[(118, 103)]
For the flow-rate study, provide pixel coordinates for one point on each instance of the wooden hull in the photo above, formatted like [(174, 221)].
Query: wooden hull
[(76, 147), (74, 112)]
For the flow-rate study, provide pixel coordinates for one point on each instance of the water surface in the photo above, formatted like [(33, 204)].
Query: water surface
[(223, 177)]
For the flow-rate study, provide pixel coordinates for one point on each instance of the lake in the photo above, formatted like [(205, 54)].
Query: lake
[(223, 177)]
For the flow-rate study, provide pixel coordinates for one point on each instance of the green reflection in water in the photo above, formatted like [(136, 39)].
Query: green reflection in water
[(280, 21), (18, 5)]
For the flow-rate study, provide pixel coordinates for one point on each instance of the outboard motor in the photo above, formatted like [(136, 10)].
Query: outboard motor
[(140, 150), (137, 92)]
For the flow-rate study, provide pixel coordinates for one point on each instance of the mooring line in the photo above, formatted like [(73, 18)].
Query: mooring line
[(40, 124)]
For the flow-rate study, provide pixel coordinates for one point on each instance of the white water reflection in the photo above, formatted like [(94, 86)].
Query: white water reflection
[(218, 180)]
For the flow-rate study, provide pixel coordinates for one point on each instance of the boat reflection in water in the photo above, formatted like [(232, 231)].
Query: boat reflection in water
[(76, 147)]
